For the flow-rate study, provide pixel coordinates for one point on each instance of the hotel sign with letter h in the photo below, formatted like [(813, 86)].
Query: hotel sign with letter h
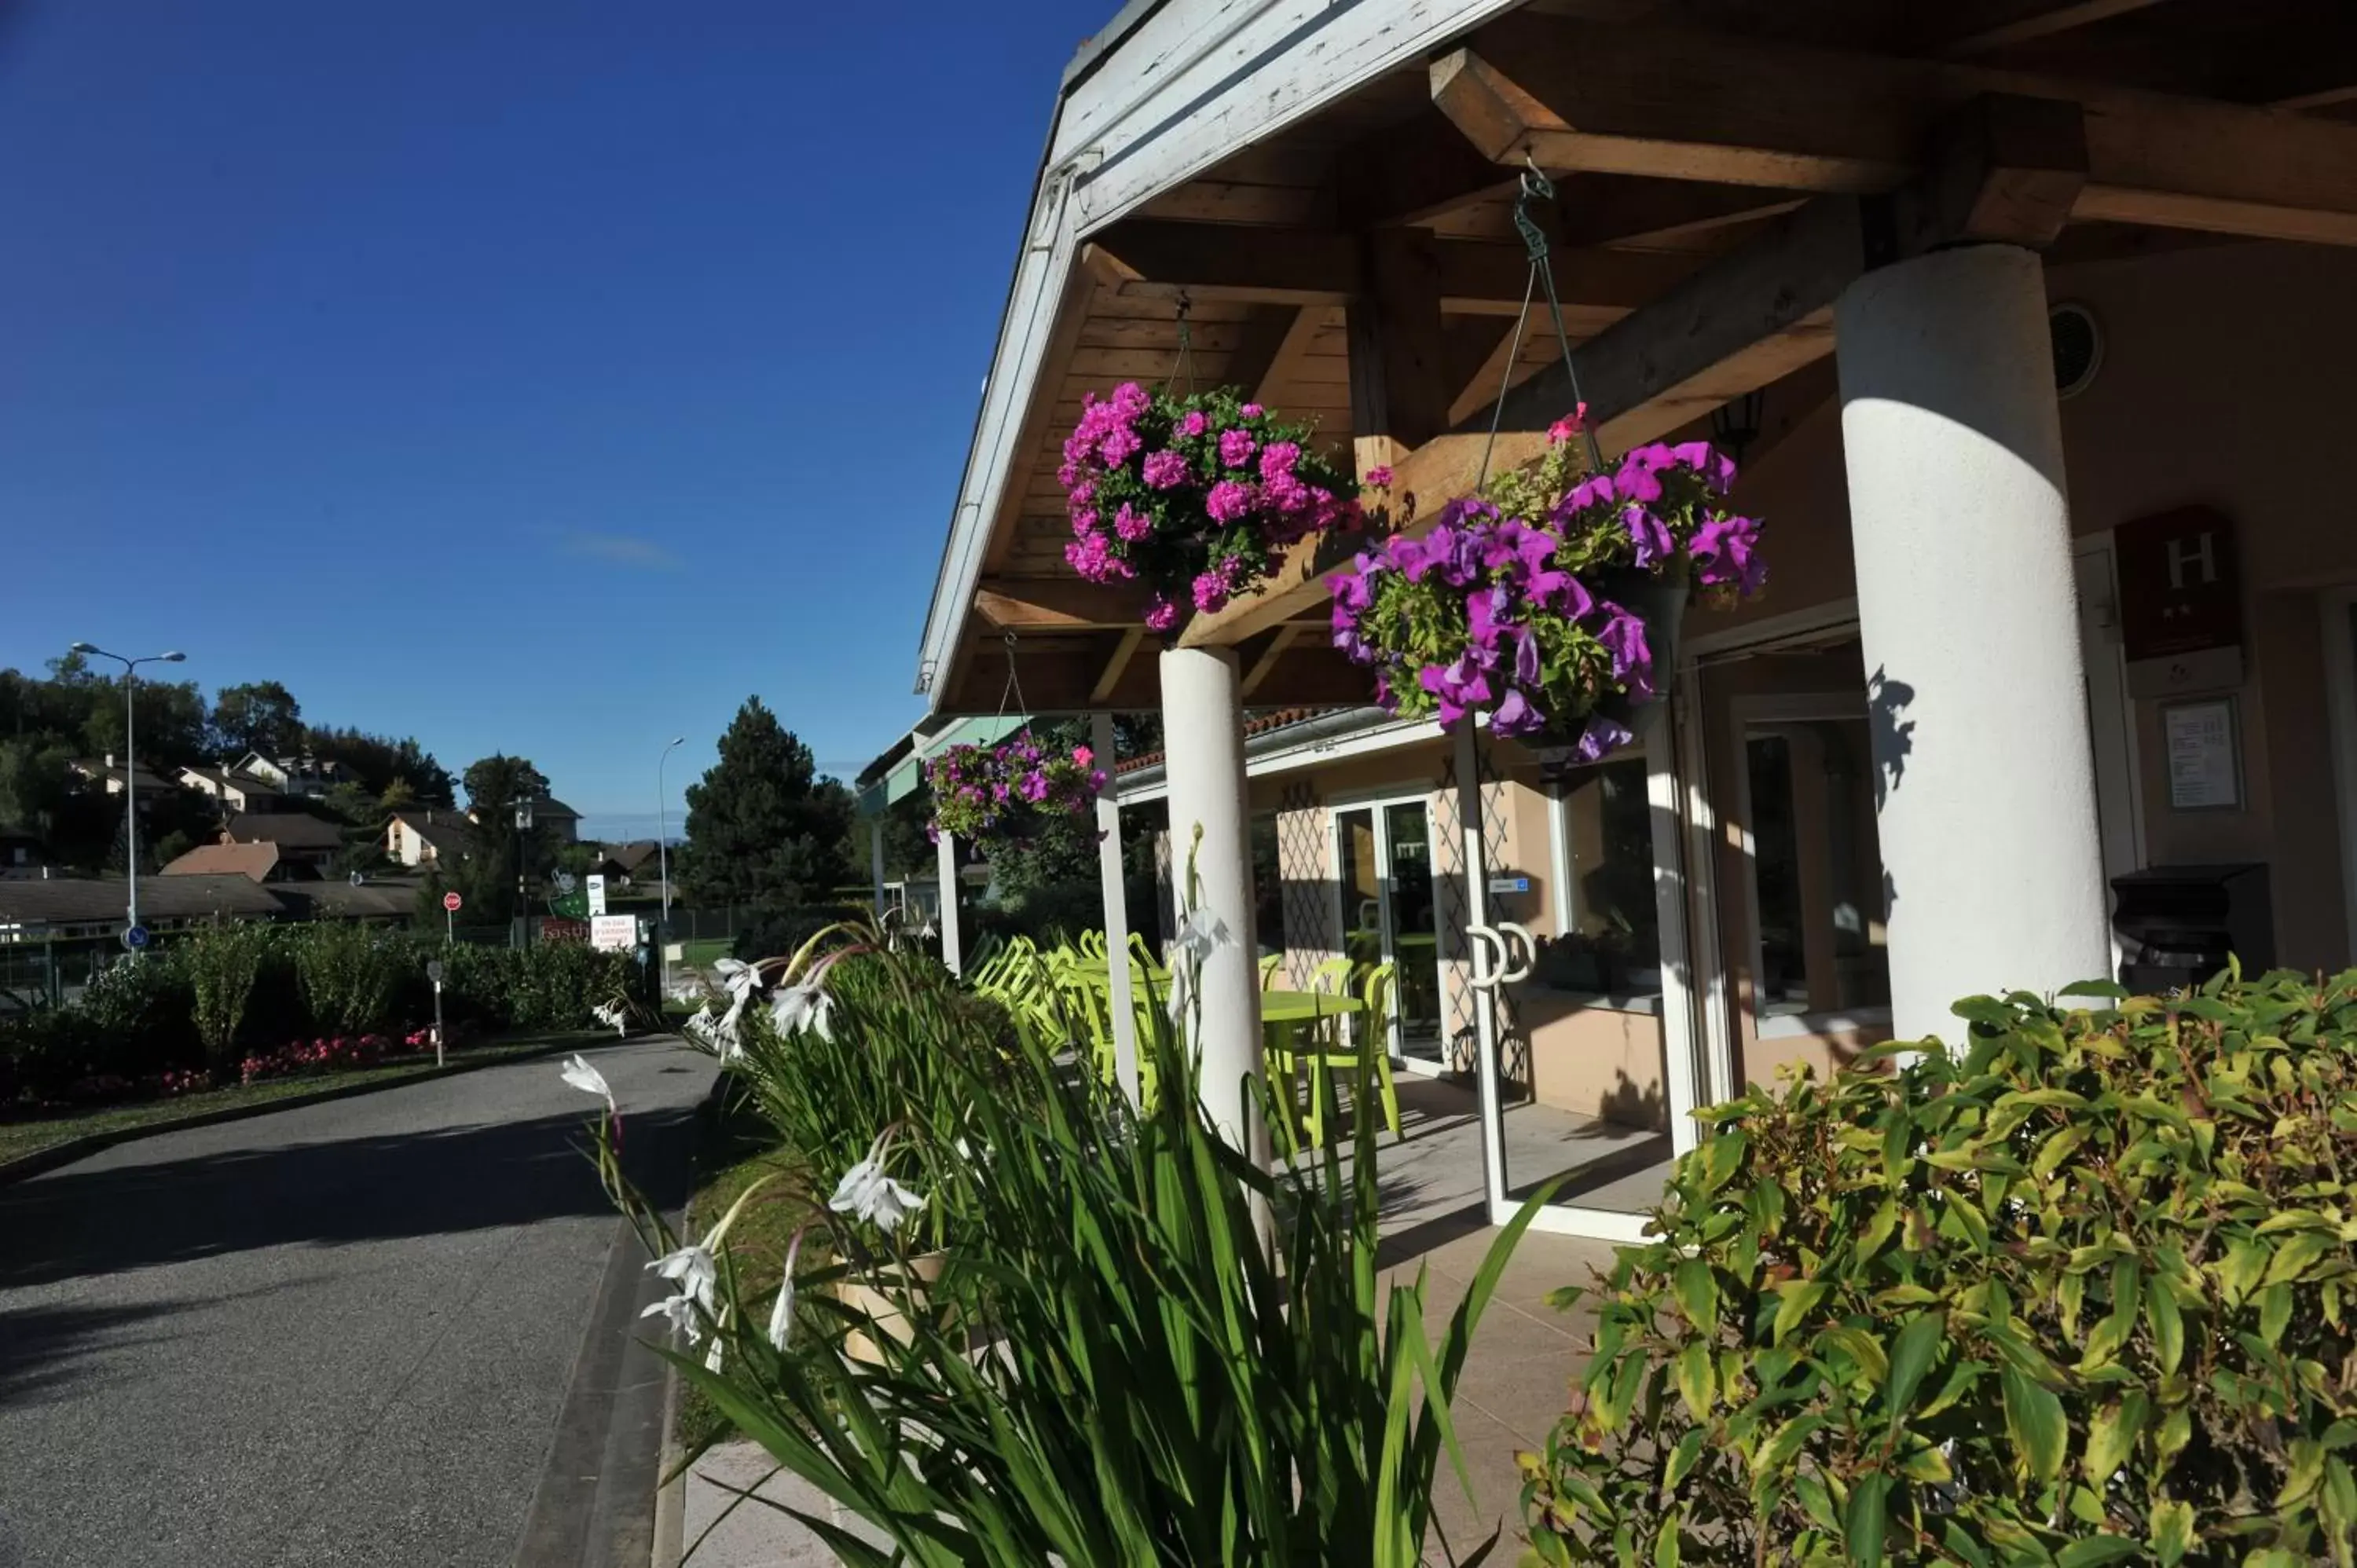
[(2180, 603)]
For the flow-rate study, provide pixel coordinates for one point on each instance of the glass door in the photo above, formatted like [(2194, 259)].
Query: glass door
[(1383, 857)]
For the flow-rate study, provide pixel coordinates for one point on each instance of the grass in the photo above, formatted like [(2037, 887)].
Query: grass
[(700, 951), (736, 1148), (33, 1134)]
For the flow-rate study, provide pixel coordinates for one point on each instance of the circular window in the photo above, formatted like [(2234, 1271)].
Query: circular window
[(2078, 347)]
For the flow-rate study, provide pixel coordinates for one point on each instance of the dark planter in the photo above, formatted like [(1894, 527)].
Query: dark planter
[(1659, 601)]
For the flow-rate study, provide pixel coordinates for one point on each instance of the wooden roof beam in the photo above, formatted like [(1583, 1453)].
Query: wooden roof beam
[(1322, 267), (1614, 209), (1412, 173), (1964, 28), (1058, 604), (1699, 106), (2003, 170)]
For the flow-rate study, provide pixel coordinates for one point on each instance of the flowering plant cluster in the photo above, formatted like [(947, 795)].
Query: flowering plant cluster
[(1508, 605), (1007, 790), (1192, 495), (302, 1059)]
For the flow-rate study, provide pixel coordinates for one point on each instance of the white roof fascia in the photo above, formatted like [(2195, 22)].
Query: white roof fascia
[(1153, 785), (1185, 84)]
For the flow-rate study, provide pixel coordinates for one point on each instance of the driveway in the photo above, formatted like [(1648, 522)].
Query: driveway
[(344, 1334)]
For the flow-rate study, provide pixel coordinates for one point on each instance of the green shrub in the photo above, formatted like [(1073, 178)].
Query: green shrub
[(351, 974), (551, 985), (141, 1016), (221, 963), (2079, 1293), (43, 1051), (777, 931)]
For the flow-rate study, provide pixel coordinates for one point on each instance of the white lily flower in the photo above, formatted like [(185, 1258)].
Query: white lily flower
[(742, 978), (679, 1311), (804, 1006), (867, 1193), (782, 1315), (1202, 933), (693, 1269), (586, 1079), (612, 1015)]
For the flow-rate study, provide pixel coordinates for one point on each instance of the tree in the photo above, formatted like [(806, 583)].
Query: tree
[(172, 724), (260, 715), (36, 784), (376, 764), (762, 827), (487, 877)]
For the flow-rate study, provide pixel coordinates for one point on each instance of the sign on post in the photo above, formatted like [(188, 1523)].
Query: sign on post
[(596, 895), (450, 902), (615, 933), (434, 973), (135, 937)]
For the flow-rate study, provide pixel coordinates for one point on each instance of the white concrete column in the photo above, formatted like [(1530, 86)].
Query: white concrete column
[(1976, 696), (952, 948), (1202, 723), (1116, 889)]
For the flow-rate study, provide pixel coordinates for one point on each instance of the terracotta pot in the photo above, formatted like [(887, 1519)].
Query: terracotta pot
[(885, 1309)]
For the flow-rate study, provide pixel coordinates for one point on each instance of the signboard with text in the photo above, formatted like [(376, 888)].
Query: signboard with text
[(597, 888), (2180, 602), (613, 933)]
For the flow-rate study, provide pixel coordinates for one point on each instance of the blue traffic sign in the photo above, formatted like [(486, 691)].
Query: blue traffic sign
[(135, 937)]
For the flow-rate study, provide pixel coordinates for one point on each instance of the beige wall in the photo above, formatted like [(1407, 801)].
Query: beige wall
[(2224, 383)]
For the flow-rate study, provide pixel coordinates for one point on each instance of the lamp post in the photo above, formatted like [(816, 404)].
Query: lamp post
[(130, 765), (523, 873), (663, 856)]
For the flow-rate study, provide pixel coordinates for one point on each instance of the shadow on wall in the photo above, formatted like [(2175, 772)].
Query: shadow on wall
[(1631, 1104), (1891, 738)]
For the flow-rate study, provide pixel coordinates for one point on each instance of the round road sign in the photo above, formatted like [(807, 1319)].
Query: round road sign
[(433, 970), (135, 937), (451, 901)]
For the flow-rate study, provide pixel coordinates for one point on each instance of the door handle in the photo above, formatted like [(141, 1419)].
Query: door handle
[(1516, 973)]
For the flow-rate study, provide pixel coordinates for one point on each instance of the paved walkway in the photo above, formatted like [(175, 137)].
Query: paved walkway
[(335, 1335)]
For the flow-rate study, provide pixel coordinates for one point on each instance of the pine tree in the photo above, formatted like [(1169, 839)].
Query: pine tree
[(762, 827)]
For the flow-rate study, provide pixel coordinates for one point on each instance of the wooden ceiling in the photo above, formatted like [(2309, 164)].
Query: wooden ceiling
[(1272, 249)]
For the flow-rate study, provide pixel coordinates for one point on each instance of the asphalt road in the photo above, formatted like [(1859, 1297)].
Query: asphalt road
[(337, 1335)]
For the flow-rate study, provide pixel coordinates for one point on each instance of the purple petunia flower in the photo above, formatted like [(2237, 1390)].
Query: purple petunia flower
[(1650, 534), (1623, 637), (1164, 470), (1516, 714), (1193, 423), (1130, 524), (1600, 738), (1236, 447), (1228, 500)]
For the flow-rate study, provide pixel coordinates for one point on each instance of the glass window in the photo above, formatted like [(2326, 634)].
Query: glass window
[(1613, 946), (1816, 868)]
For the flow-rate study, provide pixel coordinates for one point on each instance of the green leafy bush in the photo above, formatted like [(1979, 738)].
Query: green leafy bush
[(223, 963), (352, 975), (2079, 1293), (139, 1012), (776, 930), (551, 985)]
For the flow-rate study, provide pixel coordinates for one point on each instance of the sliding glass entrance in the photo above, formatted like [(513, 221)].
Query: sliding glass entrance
[(1383, 855)]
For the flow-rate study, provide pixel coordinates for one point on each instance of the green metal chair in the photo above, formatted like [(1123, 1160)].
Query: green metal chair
[(1329, 1050)]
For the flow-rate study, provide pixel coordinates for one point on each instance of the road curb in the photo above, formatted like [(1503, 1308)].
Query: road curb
[(28, 1165), (671, 1490)]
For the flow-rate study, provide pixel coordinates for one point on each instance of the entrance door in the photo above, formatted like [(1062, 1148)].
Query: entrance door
[(1382, 854)]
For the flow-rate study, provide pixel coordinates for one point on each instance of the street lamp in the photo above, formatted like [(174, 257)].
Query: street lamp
[(130, 763), (663, 855)]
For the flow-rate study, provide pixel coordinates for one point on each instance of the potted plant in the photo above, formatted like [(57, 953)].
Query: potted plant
[(1551, 600), (1192, 495), (1008, 791)]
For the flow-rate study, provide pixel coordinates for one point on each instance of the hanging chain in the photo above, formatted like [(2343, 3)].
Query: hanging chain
[(1534, 187), (1185, 363), (1013, 690)]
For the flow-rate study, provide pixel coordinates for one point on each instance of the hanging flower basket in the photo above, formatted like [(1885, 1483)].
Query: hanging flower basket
[(1551, 601), (1008, 791), (1192, 495)]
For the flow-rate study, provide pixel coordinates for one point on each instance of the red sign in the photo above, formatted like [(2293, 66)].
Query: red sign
[(557, 929), (2180, 592), (451, 901)]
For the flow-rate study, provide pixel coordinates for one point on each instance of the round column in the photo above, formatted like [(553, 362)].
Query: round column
[(1203, 726), (1976, 705)]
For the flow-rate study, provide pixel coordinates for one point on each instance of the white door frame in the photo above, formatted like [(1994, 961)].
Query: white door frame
[(2111, 715), (1688, 1069), (1374, 801)]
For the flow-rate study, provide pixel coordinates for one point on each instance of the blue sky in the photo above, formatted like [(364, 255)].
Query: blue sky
[(545, 376)]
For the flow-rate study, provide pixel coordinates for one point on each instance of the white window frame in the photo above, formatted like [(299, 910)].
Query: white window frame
[(1372, 802)]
